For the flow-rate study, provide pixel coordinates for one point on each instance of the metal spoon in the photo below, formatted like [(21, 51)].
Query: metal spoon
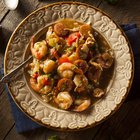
[(7, 77), (11, 4)]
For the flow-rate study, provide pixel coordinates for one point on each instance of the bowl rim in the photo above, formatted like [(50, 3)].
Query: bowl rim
[(118, 105)]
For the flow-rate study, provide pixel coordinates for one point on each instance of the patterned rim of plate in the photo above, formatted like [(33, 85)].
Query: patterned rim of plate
[(43, 113)]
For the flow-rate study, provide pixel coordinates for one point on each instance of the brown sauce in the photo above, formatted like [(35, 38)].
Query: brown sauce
[(106, 74)]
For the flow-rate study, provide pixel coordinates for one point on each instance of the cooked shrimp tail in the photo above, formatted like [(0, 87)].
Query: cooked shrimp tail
[(81, 104)]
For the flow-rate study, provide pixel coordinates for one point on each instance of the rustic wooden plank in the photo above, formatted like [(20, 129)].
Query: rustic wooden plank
[(135, 135), (38, 134), (2, 86), (1, 60), (3, 10), (91, 2), (104, 134), (79, 135), (44, 134), (125, 11), (13, 18), (6, 118), (123, 124)]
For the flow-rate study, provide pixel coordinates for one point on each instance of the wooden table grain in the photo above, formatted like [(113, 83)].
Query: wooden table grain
[(123, 125)]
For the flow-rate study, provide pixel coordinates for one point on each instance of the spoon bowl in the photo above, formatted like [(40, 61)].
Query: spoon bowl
[(11, 4)]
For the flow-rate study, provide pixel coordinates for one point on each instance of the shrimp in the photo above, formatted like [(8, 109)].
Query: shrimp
[(73, 57), (43, 84), (65, 84), (66, 70), (35, 85), (49, 66), (63, 100), (39, 49), (81, 82), (81, 104)]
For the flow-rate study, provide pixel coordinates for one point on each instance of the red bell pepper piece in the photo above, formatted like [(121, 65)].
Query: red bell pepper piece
[(63, 60), (38, 55), (35, 75), (46, 81), (72, 38)]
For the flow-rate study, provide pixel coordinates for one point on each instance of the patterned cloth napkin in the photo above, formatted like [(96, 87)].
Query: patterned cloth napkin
[(23, 123)]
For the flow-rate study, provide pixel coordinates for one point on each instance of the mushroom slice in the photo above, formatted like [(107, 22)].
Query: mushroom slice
[(98, 93), (105, 59), (81, 64), (94, 72)]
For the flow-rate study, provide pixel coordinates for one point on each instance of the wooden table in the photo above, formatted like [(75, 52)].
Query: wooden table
[(123, 125)]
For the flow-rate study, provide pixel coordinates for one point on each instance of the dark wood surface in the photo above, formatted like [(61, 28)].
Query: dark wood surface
[(123, 125)]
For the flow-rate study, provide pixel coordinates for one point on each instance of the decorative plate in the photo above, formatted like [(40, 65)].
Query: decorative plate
[(31, 104)]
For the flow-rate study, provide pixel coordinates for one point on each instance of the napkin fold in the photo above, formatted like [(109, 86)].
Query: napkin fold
[(133, 34), (23, 123)]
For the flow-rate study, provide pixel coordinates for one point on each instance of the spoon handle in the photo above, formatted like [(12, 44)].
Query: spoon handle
[(7, 77)]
